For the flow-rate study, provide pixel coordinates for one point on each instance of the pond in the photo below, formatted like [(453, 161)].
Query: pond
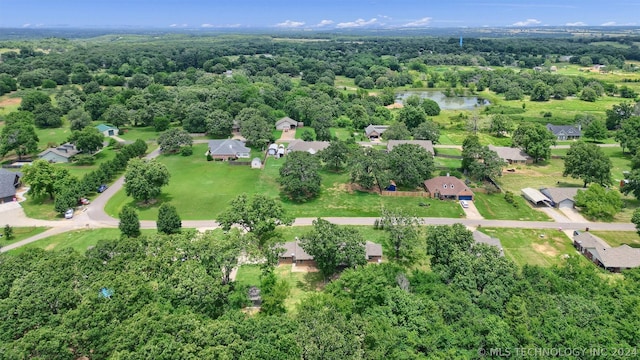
[(445, 103)]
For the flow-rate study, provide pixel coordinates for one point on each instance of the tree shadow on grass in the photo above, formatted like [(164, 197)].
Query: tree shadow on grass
[(311, 281), (153, 203)]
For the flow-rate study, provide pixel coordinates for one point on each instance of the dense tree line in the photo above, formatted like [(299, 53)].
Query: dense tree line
[(166, 296)]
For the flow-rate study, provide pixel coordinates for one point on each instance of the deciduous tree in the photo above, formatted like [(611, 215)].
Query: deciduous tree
[(589, 163), (397, 131), (534, 139), (300, 177), (369, 169), (144, 179), (599, 203), (410, 165), (87, 140), (412, 116), (500, 125), (18, 136), (32, 99), (168, 219), (129, 224), (43, 176), (596, 130), (428, 130), (171, 141), (336, 155), (403, 233)]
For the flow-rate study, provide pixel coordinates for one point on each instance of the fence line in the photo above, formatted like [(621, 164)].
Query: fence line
[(405, 193)]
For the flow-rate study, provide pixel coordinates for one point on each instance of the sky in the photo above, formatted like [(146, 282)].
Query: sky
[(316, 14)]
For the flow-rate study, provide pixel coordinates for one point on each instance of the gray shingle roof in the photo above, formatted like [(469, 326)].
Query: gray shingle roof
[(509, 153), (7, 183), (623, 256), (308, 146), (426, 144), (287, 120), (65, 150), (375, 128), (482, 238), (560, 194), (294, 248), (228, 147), (569, 130)]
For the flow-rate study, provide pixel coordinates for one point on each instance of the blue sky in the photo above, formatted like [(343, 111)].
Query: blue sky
[(313, 14)]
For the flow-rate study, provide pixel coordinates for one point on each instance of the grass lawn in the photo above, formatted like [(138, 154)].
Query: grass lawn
[(448, 152), (544, 174), (527, 247), (53, 135), (447, 162), (21, 233), (40, 208), (79, 240), (620, 162), (495, 207), (79, 171), (456, 137), (617, 238), (201, 190), (147, 133)]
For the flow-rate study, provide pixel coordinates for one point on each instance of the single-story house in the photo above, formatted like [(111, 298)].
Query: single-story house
[(273, 149), (312, 147), (448, 187), (512, 155), (287, 123), (9, 182), (294, 254), (535, 197), (425, 144), (228, 149), (561, 197), (482, 238), (107, 130), (600, 253), (565, 132), (256, 163), (375, 131), (60, 154)]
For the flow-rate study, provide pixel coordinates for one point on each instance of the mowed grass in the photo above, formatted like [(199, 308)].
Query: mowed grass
[(20, 233), (78, 240), (617, 238), (202, 189), (494, 206), (50, 136), (619, 161), (544, 174), (147, 133), (532, 247)]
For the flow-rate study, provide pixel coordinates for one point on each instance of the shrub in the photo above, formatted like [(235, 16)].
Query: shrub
[(209, 157), (187, 151)]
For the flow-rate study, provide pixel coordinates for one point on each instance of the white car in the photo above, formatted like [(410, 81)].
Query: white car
[(68, 214), (464, 204)]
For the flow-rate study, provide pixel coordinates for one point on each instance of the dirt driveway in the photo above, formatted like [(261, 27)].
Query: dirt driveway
[(287, 136)]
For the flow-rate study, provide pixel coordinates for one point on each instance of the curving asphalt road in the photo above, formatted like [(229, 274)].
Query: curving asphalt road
[(93, 216)]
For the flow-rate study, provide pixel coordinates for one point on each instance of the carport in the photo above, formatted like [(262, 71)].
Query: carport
[(535, 197)]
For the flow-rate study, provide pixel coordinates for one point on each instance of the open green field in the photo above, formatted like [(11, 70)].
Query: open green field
[(620, 162), (493, 206), (147, 133), (447, 162), (456, 137), (78, 240), (544, 174), (617, 238), (448, 151), (533, 247), (200, 190), (106, 154), (20, 233), (55, 136)]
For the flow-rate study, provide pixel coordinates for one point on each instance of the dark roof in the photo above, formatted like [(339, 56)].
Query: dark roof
[(426, 144), (482, 238), (65, 150), (228, 147), (569, 130), (8, 183), (293, 248), (623, 256), (446, 186), (558, 195)]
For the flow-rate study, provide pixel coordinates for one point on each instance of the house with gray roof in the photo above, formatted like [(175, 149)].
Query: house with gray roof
[(536, 197), (60, 154), (512, 155), (600, 253), (561, 197), (9, 182), (287, 123), (565, 132), (293, 253), (375, 131), (482, 238), (108, 130), (312, 147), (425, 144), (229, 149)]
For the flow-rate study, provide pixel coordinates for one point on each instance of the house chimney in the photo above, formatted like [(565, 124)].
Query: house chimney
[(447, 174)]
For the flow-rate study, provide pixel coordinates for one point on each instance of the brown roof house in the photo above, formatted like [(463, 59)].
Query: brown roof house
[(448, 187), (293, 253), (600, 253), (512, 155), (425, 144)]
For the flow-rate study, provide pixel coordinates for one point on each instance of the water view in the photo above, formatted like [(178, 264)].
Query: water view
[(446, 103)]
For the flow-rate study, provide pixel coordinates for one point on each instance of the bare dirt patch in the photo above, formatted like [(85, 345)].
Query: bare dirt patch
[(10, 101), (51, 246), (545, 249)]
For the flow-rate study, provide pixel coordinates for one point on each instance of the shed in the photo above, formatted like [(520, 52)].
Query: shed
[(254, 296), (107, 130), (256, 163), (273, 149)]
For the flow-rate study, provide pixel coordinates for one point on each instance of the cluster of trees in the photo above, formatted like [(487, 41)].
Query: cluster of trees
[(169, 296), (479, 161)]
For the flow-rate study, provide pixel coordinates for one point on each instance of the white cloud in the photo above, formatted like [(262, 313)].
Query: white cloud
[(181, 25), (324, 23), (609, 23), (207, 25), (527, 22), (357, 23), (26, 25), (290, 24), (422, 22), (577, 23)]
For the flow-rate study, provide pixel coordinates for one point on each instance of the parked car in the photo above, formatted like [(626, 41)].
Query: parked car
[(68, 214), (102, 188), (84, 201), (464, 204)]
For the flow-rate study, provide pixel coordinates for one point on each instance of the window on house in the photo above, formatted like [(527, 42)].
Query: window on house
[(452, 186), (444, 186)]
